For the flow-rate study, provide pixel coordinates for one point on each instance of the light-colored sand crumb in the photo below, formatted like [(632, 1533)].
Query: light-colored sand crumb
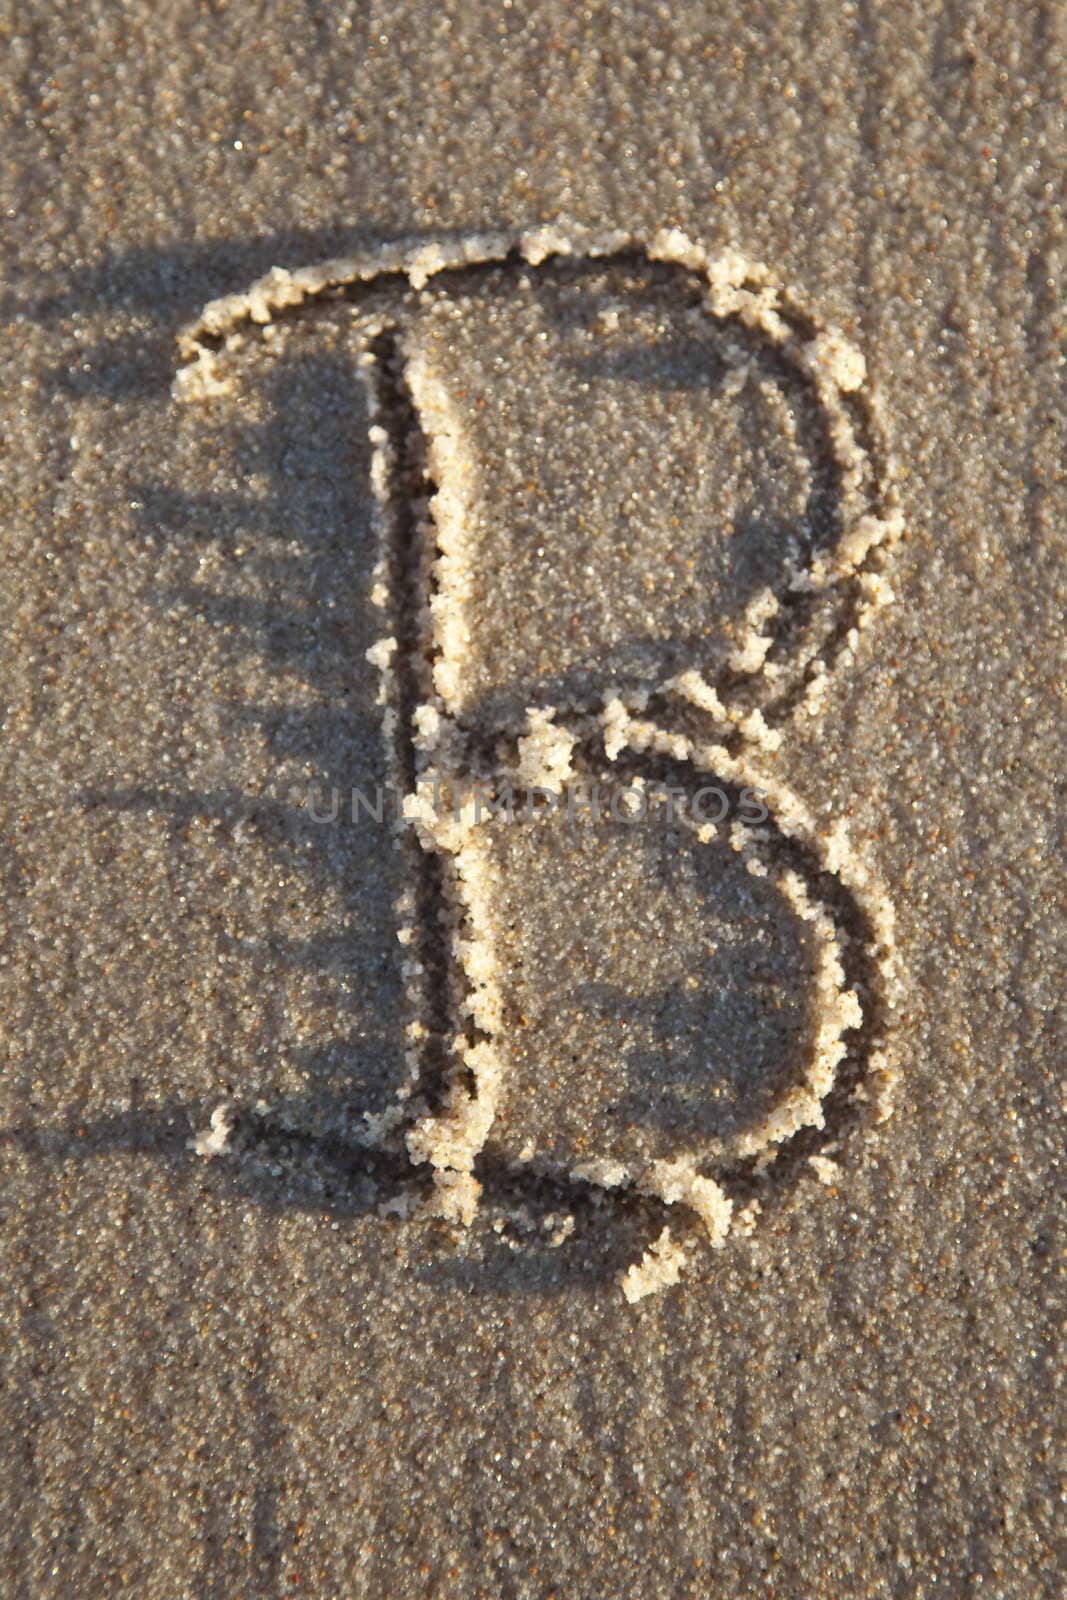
[(215, 1139), (828, 1172), (659, 1268), (545, 752), (603, 1172), (677, 1183), (745, 1219), (455, 1197)]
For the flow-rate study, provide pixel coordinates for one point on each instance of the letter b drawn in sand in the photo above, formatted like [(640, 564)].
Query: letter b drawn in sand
[(634, 510)]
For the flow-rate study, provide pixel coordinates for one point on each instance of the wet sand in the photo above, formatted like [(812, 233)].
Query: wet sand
[(276, 1371)]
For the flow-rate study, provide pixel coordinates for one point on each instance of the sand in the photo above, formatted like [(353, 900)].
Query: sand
[(270, 1328)]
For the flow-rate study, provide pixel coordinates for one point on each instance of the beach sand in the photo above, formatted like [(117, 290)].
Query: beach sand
[(242, 1355)]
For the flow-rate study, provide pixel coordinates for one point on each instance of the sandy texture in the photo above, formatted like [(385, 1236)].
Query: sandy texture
[(260, 1367), (500, 1022)]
